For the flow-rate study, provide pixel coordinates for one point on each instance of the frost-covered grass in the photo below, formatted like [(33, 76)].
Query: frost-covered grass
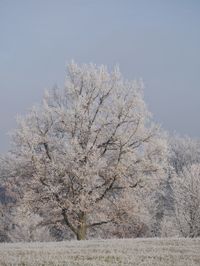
[(134, 252)]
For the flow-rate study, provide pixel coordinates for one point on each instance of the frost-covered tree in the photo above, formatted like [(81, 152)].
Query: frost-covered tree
[(7, 201), (28, 227), (86, 147), (184, 161), (183, 153), (186, 188)]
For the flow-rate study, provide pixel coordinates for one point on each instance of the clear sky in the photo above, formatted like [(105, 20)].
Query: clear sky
[(158, 41)]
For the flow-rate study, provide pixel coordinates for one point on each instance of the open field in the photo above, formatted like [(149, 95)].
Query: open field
[(134, 252)]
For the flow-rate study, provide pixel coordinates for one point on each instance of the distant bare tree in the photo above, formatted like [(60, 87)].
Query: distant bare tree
[(186, 188), (183, 153)]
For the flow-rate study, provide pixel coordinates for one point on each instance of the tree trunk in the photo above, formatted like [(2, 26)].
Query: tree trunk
[(82, 228), (81, 232)]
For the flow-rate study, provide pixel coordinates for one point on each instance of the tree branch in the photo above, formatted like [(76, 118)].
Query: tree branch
[(68, 222), (106, 190), (100, 223)]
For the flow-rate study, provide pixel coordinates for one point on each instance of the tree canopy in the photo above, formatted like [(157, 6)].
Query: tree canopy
[(85, 148)]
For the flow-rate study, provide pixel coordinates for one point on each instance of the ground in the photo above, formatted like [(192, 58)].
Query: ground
[(134, 252)]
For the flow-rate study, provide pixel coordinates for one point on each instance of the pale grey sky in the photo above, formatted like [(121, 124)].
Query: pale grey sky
[(157, 40)]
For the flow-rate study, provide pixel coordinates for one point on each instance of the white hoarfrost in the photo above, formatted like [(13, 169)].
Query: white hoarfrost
[(86, 149)]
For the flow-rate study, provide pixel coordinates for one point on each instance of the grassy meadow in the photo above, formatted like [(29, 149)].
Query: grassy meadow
[(133, 252)]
